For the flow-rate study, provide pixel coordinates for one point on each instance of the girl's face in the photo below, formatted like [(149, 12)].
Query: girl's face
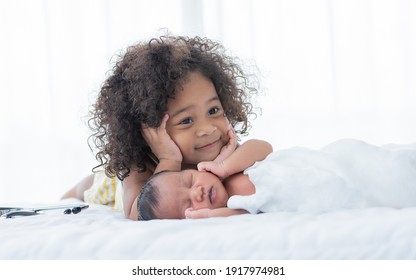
[(197, 123), (188, 189)]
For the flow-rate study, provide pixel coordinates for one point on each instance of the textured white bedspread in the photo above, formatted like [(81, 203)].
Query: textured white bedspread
[(101, 233)]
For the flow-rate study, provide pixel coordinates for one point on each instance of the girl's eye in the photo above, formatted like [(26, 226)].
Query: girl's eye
[(213, 111), (186, 121)]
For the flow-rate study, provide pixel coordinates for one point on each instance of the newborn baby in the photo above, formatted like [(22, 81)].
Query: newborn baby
[(343, 175)]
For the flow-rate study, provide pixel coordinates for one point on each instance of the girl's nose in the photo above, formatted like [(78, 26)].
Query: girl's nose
[(205, 129)]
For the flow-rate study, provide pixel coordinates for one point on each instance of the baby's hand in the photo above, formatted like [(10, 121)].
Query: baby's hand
[(229, 148), (209, 213), (160, 142), (216, 168), (198, 213)]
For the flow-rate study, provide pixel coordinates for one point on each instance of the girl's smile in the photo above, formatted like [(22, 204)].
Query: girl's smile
[(209, 146)]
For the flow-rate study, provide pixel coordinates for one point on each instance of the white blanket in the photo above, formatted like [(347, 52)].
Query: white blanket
[(346, 174), (101, 233)]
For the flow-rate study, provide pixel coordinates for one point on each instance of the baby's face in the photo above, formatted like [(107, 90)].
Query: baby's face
[(188, 189), (197, 123)]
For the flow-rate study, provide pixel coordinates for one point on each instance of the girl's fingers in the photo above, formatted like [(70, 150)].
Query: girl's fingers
[(148, 133), (233, 137), (153, 132), (164, 121)]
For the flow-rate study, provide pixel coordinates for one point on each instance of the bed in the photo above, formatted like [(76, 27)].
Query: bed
[(380, 222), (100, 233)]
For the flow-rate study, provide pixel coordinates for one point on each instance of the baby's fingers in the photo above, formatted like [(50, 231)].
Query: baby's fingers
[(191, 213)]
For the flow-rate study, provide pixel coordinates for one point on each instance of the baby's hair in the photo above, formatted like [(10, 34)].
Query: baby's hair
[(148, 199), (140, 84)]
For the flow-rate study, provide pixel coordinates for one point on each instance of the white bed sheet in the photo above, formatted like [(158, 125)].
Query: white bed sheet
[(101, 233)]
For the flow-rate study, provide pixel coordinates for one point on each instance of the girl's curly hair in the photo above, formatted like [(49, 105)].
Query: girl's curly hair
[(138, 89)]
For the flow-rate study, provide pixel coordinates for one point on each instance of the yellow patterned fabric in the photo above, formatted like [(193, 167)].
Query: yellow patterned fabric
[(106, 191)]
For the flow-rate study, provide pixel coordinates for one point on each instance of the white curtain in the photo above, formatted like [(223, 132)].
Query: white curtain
[(328, 69)]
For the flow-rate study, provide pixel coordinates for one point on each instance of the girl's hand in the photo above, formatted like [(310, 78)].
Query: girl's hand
[(229, 148), (160, 142), (217, 168)]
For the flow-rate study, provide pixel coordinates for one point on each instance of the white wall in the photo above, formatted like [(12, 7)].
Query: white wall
[(328, 69)]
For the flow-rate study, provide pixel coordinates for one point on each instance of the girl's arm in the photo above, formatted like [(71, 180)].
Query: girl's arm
[(229, 148), (133, 184), (209, 213), (169, 156), (243, 157)]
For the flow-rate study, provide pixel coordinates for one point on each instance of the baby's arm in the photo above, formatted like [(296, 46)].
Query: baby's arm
[(243, 157), (209, 213)]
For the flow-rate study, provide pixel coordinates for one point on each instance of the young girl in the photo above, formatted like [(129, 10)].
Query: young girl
[(169, 103)]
